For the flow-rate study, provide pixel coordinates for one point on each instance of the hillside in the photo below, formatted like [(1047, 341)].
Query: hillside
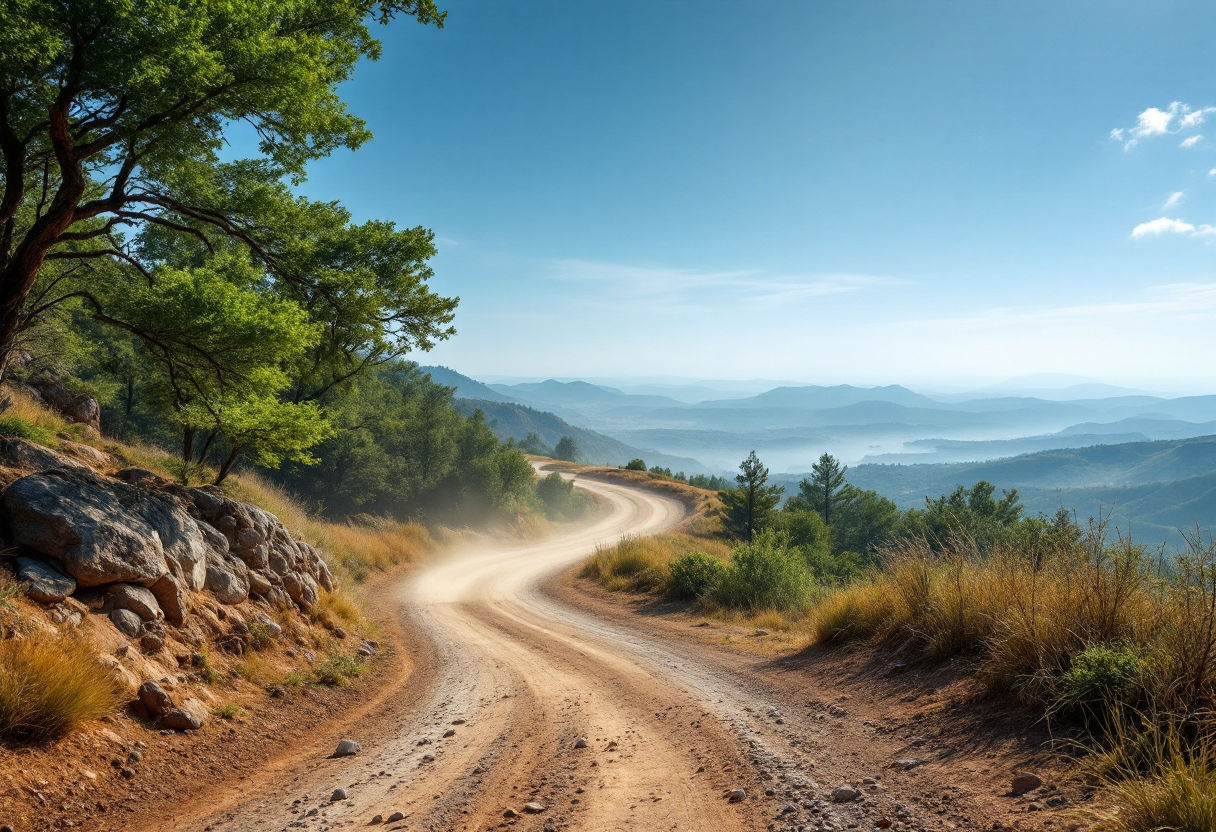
[(1155, 488), (516, 421)]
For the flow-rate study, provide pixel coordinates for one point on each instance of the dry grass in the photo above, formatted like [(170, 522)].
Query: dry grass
[(642, 564), (51, 684)]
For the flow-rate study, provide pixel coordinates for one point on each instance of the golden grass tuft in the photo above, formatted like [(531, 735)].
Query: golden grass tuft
[(51, 684), (642, 564)]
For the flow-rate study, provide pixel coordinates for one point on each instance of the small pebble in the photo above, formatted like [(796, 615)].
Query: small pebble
[(395, 816), (338, 794), (737, 795)]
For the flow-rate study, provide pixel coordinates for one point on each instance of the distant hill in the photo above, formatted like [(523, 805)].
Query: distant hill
[(814, 397), (579, 393), (516, 421), (466, 388)]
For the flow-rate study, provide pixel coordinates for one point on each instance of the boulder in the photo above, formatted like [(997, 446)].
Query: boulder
[(127, 622), (87, 454), (214, 538), (155, 699), (141, 478), (845, 794), (259, 584), (170, 595), (181, 720), (139, 600), (124, 679), (1025, 781), (101, 530), (81, 409), (277, 597), (21, 453), (225, 583), (278, 560), (303, 595), (44, 583), (153, 638), (346, 748)]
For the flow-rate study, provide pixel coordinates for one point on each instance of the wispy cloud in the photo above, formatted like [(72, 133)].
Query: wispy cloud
[(1176, 118), (1164, 225), (659, 284), (1172, 200), (1191, 141)]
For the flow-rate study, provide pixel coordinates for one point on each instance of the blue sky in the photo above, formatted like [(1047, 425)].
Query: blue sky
[(865, 192)]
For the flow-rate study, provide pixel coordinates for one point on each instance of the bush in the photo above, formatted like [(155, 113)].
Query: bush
[(260, 635), (694, 574), (15, 426), (338, 669), (50, 685), (635, 465), (1102, 676), (766, 574)]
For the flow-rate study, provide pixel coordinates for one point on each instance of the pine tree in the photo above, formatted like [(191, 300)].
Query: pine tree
[(826, 488), (747, 508)]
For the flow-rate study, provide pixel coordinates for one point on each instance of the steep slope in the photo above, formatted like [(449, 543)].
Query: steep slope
[(466, 388)]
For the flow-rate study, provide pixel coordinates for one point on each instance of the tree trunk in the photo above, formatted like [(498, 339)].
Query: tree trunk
[(226, 467)]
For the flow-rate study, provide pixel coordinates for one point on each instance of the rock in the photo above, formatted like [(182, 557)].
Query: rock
[(128, 773), (225, 584), (104, 531), (81, 409), (338, 794), (30, 456), (188, 717), (376, 820), (259, 584), (298, 590), (1035, 807), (909, 763), (214, 538), (155, 699), (276, 597), (170, 596), (428, 758), (127, 622), (760, 631), (339, 632), (451, 732), (1025, 781), (274, 627), (346, 748), (141, 478), (394, 817), (534, 808), (124, 679), (581, 742), (87, 454), (736, 795), (845, 794), (153, 638), (510, 813), (137, 599), (366, 650), (45, 583)]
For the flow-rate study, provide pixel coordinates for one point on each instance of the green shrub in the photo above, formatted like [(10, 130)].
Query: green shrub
[(766, 574), (1102, 676), (260, 635), (15, 426), (338, 669), (635, 465), (694, 574)]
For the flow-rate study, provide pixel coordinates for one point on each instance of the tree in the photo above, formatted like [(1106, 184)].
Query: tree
[(973, 513), (635, 465), (566, 449), (826, 488), (864, 522), (113, 115), (747, 508)]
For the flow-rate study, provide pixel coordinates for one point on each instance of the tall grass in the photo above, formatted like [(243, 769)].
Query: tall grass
[(49, 685), (642, 564)]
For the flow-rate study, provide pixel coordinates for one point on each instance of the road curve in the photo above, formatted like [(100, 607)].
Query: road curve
[(519, 678)]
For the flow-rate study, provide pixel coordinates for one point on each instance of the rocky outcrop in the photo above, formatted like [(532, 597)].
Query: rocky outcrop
[(138, 547), (74, 407)]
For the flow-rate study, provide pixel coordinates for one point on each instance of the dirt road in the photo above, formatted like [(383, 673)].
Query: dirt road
[(507, 681)]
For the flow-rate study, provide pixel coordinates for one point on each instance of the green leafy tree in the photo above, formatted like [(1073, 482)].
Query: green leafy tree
[(864, 522), (566, 449), (974, 513), (113, 114), (747, 508), (635, 465)]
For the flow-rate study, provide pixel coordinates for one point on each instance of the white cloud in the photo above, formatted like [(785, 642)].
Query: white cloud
[(1164, 225), (1173, 200), (1212, 172), (1154, 121), (1191, 141)]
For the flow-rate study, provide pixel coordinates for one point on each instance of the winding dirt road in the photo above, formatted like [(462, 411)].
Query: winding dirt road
[(507, 679)]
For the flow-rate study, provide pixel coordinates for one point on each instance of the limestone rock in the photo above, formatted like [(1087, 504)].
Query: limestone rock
[(45, 583), (127, 622), (87, 454), (534, 808), (139, 600), (346, 748), (737, 795), (102, 531), (224, 582), (170, 595)]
